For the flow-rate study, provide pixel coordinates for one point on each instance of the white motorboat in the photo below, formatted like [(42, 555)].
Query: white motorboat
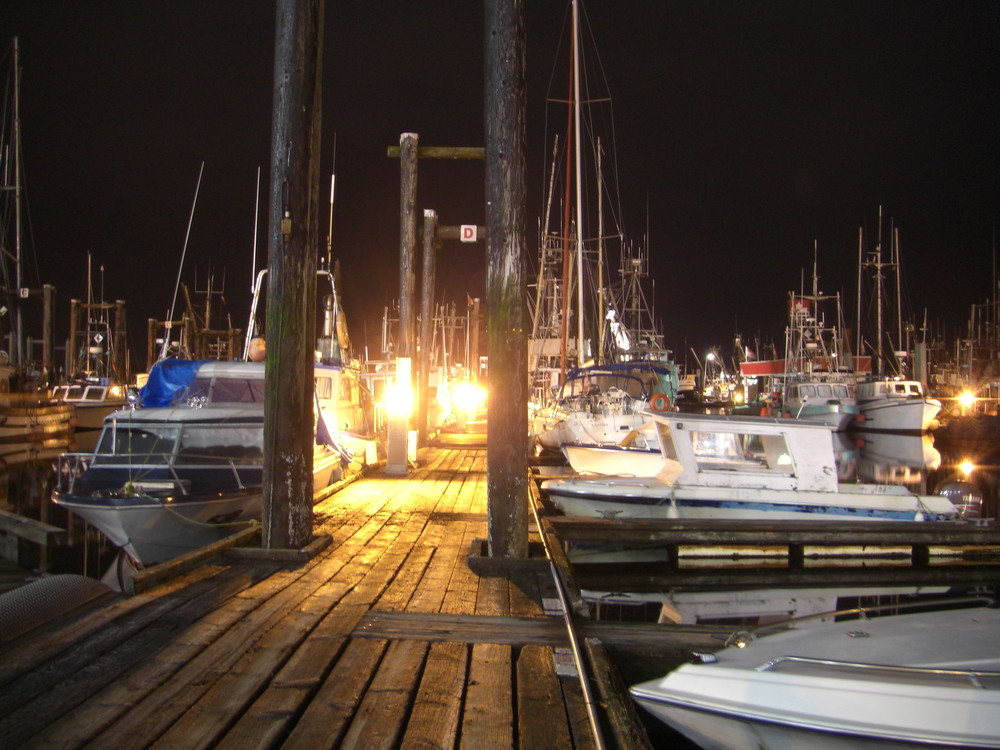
[(638, 454), (907, 680), (749, 468), (187, 469), (890, 405)]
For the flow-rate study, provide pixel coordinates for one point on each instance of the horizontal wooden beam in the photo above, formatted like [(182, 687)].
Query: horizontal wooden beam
[(30, 529), (443, 152)]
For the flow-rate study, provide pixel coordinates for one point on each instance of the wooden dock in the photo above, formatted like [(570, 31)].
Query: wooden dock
[(390, 631)]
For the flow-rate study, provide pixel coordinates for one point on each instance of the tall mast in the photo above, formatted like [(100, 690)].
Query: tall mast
[(878, 292), (567, 251), (600, 256), (18, 232), (579, 186)]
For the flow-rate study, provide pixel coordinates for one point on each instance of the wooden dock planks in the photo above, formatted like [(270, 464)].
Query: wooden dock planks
[(254, 653)]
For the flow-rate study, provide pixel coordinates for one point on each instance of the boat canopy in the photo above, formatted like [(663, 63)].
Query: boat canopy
[(167, 380)]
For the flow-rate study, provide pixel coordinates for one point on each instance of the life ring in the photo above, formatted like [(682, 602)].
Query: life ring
[(659, 402)]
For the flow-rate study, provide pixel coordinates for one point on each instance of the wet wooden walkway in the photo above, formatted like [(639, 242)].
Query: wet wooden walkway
[(389, 636)]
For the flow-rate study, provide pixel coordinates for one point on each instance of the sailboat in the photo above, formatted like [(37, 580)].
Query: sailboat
[(31, 422), (889, 400), (596, 363)]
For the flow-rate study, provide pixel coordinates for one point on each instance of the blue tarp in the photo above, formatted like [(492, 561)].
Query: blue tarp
[(167, 380)]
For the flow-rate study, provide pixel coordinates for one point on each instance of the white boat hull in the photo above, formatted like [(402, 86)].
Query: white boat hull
[(153, 531), (828, 686), (652, 498), (910, 416)]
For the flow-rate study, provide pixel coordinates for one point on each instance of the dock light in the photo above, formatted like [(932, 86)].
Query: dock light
[(966, 399), (468, 397), (398, 397), (966, 467)]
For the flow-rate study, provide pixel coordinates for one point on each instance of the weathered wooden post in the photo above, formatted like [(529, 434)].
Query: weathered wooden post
[(426, 323), (507, 409), (407, 240), (292, 249)]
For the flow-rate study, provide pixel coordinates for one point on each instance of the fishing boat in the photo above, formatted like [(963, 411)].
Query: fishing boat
[(814, 380), (891, 405), (928, 679), (98, 375), (893, 398), (749, 468)]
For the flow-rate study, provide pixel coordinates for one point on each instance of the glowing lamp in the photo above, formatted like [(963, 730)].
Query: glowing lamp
[(468, 397), (399, 393), (967, 399)]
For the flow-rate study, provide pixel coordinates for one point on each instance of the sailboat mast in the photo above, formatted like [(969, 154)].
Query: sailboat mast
[(567, 252), (18, 232), (579, 186), (600, 257), (900, 345), (878, 293)]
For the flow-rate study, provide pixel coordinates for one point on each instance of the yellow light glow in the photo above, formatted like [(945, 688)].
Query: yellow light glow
[(399, 392), (115, 391), (468, 397), (966, 467), (967, 399)]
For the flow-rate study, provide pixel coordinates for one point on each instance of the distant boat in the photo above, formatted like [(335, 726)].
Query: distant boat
[(752, 468), (930, 679), (890, 405), (28, 414)]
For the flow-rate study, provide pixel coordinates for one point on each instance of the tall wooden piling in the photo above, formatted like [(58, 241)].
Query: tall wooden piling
[(507, 436), (292, 248), (426, 323), (408, 143)]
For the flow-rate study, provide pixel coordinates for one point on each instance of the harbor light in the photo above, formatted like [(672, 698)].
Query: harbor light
[(966, 399), (398, 398), (966, 467), (468, 397)]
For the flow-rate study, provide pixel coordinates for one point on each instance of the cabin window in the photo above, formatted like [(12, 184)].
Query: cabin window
[(738, 451), (324, 388), (824, 391)]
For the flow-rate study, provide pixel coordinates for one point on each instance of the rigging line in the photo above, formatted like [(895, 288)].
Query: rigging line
[(187, 235)]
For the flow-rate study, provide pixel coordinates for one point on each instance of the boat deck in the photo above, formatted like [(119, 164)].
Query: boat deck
[(391, 635)]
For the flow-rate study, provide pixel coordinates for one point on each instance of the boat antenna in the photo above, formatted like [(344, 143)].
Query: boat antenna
[(256, 218), (333, 184), (187, 236)]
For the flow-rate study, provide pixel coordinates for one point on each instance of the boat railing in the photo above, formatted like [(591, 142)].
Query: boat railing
[(743, 637), (71, 467), (974, 677)]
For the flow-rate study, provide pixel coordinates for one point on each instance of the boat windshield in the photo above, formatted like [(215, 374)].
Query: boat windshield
[(740, 451), (594, 383), (183, 444), (135, 440), (227, 390)]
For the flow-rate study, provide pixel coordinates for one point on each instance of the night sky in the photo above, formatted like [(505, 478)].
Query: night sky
[(745, 132)]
